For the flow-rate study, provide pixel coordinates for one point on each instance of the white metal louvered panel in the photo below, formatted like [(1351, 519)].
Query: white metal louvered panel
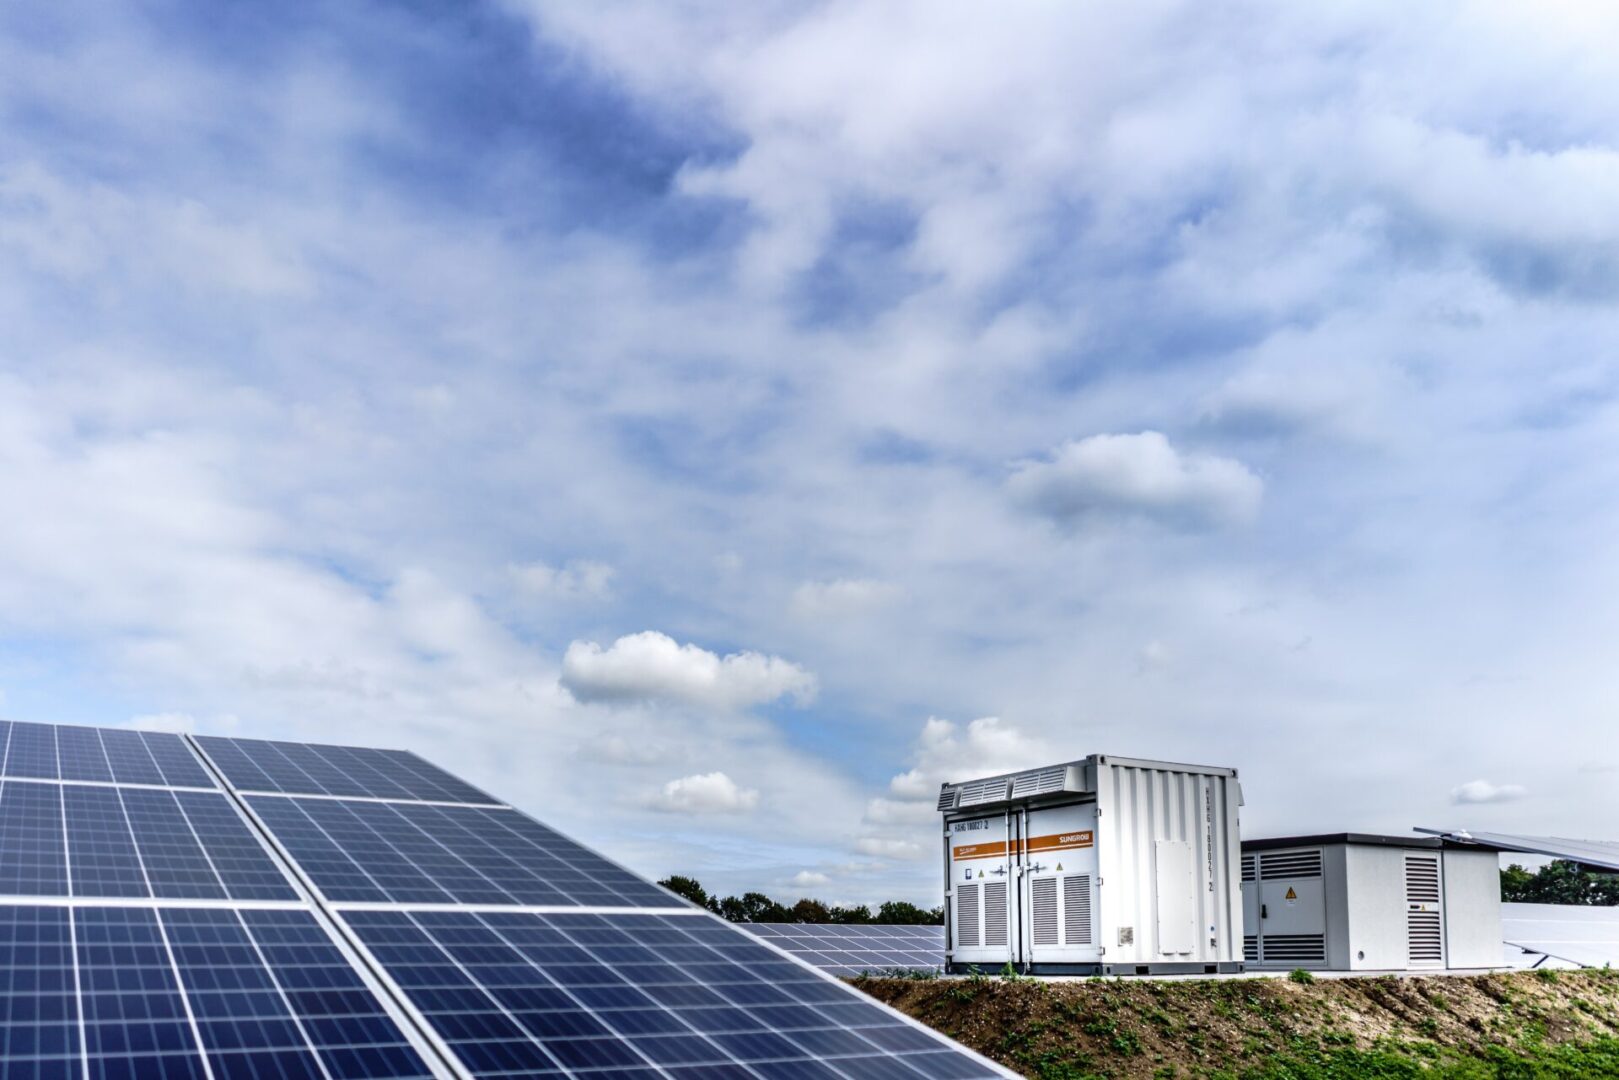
[(995, 915), (1039, 782), (1249, 871), (1077, 909), (1295, 948), (1424, 919), (1250, 948), (982, 791), (967, 916), (947, 798), (1043, 911)]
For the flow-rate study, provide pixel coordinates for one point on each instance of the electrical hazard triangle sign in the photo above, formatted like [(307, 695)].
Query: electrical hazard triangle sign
[(1059, 868), (1291, 895)]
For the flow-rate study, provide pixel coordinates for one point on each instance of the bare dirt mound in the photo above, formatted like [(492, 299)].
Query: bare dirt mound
[(1523, 1024)]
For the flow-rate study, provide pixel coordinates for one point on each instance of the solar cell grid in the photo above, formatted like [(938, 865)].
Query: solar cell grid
[(39, 1011), (103, 861), (856, 948), (32, 751), (619, 992), (33, 860), (135, 1020), (411, 853), (130, 759), (80, 755), (260, 765)]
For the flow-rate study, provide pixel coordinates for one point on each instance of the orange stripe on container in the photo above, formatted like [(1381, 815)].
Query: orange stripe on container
[(977, 851), (1060, 841)]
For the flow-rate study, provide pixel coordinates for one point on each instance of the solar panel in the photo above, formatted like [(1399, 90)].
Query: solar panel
[(344, 914), (1580, 935), (857, 948), (1596, 854), (260, 765)]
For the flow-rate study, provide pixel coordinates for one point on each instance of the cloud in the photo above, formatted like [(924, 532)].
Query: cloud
[(810, 879), (946, 754), (578, 578), (900, 812), (650, 666), (1136, 475), (172, 723), (1483, 791), (888, 848), (842, 598), (707, 793)]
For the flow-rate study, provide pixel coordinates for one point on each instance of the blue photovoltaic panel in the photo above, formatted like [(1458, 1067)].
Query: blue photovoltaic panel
[(102, 755), (131, 761), (176, 865), (856, 948), (412, 853), (624, 994), (303, 769), (32, 751), (246, 1025), (134, 1018), (32, 857), (81, 756), (342, 1018), (39, 1010), (101, 851), (241, 861), (176, 761)]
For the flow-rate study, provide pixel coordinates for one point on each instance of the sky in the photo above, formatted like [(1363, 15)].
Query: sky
[(710, 427)]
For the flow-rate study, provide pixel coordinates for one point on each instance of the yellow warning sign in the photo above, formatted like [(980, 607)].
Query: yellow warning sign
[(980, 873), (1291, 895), (1059, 868)]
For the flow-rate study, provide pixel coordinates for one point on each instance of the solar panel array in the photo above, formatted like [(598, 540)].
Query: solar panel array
[(857, 949), (1576, 934), (214, 908)]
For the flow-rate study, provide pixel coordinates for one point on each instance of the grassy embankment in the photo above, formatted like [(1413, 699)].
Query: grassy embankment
[(1521, 1025)]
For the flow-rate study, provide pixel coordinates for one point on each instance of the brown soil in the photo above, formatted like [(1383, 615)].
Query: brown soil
[(1144, 1028)]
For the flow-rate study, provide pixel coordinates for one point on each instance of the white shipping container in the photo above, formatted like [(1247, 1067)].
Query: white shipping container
[(1105, 865)]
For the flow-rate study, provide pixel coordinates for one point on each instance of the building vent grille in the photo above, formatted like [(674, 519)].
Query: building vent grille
[(1424, 925), (1039, 783), (982, 791), (967, 916), (995, 913), (1296, 948), (1076, 899), (1043, 910), (1250, 948), (1289, 864), (1247, 868), (947, 799)]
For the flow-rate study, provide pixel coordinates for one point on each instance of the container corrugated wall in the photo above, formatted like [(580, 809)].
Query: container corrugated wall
[(1140, 805)]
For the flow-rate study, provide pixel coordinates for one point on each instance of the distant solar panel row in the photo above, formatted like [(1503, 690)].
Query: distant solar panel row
[(632, 996), (85, 840), (259, 993), (418, 853), (857, 948), (304, 769), (105, 755)]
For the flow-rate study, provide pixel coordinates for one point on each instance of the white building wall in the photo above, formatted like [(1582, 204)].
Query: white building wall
[(1375, 893), (1472, 909)]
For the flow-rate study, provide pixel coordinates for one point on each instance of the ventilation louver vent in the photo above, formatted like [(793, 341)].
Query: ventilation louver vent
[(1076, 899), (1250, 948), (947, 798), (995, 927), (1039, 783), (1043, 910), (1296, 948), (982, 791), (1289, 864), (1424, 925), (1247, 868), (967, 916)]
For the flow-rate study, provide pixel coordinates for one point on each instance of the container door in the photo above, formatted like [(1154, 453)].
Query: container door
[(980, 877), (1292, 909), (1059, 886)]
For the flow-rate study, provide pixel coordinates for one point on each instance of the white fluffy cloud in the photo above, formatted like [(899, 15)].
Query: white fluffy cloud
[(842, 598), (705, 793), (946, 753), (810, 879), (650, 666), (888, 847), (1138, 475), (1483, 791)]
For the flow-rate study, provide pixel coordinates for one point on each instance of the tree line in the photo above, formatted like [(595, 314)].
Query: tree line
[(756, 907), (1558, 882)]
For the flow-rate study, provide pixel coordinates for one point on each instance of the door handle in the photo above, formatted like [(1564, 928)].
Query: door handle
[(1264, 913)]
